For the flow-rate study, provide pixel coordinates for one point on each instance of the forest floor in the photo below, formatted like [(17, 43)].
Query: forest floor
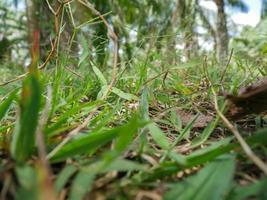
[(154, 133)]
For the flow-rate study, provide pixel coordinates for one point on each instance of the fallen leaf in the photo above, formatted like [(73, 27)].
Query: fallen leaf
[(201, 122), (250, 100)]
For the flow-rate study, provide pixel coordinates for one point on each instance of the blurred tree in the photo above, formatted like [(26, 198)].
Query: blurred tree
[(263, 8), (222, 37)]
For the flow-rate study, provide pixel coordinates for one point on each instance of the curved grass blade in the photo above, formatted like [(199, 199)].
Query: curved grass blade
[(64, 176), (158, 136), (99, 75), (124, 95)]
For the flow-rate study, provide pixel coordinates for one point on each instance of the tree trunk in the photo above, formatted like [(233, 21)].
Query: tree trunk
[(222, 38)]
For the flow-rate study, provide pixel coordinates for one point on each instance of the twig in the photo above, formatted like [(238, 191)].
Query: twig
[(48, 187), (87, 120), (50, 7), (73, 72), (71, 134), (39, 135), (250, 154), (227, 65)]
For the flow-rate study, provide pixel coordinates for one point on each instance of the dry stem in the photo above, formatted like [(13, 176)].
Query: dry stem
[(248, 151)]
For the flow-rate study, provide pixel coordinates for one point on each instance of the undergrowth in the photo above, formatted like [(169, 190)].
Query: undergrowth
[(155, 134)]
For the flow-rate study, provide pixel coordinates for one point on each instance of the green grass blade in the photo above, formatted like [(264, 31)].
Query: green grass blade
[(96, 139), (212, 182), (158, 136), (64, 176), (27, 179), (256, 190), (23, 140), (99, 75), (209, 153), (81, 185), (70, 113), (124, 95)]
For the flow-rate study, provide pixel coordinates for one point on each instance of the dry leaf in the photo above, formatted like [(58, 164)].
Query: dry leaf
[(250, 100), (201, 122)]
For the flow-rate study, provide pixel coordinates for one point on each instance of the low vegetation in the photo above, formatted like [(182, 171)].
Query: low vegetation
[(149, 127)]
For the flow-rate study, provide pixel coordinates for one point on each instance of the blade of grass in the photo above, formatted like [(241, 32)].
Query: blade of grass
[(204, 185), (23, 140)]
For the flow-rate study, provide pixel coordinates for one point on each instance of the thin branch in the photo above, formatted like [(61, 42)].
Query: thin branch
[(248, 151), (71, 134), (227, 65), (43, 162), (50, 7), (73, 72), (39, 135)]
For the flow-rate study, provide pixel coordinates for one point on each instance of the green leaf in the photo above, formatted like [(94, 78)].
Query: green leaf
[(126, 134), (205, 134), (85, 144), (144, 104), (116, 164), (186, 131), (212, 182), (99, 75), (102, 92), (81, 185), (178, 158), (27, 178), (51, 130), (64, 176), (96, 139), (4, 106), (207, 154), (176, 120), (158, 136), (257, 190), (124, 95), (23, 140)]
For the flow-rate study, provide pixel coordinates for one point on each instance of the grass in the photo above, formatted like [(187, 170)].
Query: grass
[(135, 144)]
